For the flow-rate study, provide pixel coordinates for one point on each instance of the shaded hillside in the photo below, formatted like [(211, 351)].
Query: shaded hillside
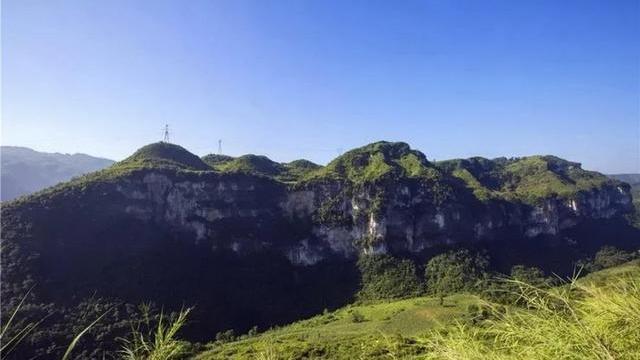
[(25, 171)]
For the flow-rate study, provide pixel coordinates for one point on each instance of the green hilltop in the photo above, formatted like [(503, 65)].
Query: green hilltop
[(376, 162), (261, 165), (162, 154), (527, 179)]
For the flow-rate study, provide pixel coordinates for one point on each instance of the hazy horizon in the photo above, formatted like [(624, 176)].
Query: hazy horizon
[(309, 80)]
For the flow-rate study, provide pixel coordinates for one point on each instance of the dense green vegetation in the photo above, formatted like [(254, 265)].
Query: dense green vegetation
[(261, 165), (257, 164), (528, 179), (455, 271), (376, 162), (387, 277), (606, 257)]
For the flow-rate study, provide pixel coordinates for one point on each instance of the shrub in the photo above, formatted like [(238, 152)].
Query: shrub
[(253, 331), (610, 256), (156, 342), (509, 292), (606, 257), (357, 317), (226, 336)]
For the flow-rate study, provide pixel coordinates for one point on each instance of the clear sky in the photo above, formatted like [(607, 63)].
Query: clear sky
[(301, 78)]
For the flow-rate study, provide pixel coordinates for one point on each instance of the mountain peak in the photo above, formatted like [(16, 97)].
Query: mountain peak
[(376, 161), (164, 154)]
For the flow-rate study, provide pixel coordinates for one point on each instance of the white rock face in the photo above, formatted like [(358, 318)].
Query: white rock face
[(439, 219), (339, 239), (304, 254), (299, 203)]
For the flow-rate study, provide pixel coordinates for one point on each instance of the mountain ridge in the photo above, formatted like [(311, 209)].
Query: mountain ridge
[(250, 249)]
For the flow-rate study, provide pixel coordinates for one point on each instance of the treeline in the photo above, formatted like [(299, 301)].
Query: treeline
[(388, 277)]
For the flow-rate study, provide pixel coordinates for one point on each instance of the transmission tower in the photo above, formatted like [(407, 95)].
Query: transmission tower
[(220, 147), (166, 134)]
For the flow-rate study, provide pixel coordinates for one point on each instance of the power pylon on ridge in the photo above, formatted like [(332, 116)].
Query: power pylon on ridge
[(220, 147), (166, 134)]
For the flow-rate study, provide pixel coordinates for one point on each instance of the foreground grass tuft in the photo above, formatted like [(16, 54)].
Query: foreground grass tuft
[(577, 321), (159, 343)]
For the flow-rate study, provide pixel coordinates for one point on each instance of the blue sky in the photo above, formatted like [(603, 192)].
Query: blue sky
[(293, 79)]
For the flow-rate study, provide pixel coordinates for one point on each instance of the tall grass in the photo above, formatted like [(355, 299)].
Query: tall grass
[(9, 342), (575, 321), (156, 343), (74, 342)]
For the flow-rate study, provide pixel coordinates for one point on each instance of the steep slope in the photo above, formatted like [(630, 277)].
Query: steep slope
[(26, 171), (249, 247)]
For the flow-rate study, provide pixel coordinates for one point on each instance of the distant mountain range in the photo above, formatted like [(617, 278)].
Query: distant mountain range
[(25, 171), (631, 179)]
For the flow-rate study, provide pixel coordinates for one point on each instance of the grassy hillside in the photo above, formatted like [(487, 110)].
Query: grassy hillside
[(594, 317), (357, 331)]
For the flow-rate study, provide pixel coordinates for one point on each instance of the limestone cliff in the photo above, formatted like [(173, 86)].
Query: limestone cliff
[(384, 197)]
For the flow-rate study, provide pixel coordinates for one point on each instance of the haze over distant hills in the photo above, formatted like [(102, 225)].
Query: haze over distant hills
[(25, 170), (631, 179)]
